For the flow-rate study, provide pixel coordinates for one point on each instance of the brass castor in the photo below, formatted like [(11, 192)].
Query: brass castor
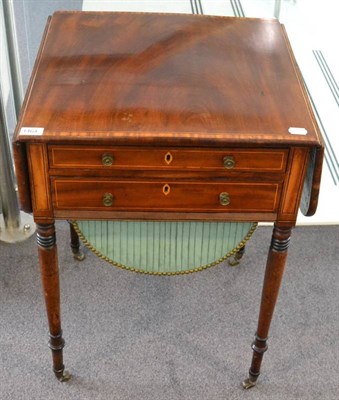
[(62, 376), (235, 260), (248, 383), (78, 255)]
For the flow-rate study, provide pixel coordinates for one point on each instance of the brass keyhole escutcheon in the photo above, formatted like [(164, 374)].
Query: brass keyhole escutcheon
[(168, 158), (224, 198), (107, 199), (166, 189), (229, 162), (107, 159)]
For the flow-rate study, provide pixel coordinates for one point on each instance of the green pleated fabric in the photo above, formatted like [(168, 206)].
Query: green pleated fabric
[(166, 247)]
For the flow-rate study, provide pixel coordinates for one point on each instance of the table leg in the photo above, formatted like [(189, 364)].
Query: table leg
[(273, 276), (234, 261), (75, 245), (48, 258)]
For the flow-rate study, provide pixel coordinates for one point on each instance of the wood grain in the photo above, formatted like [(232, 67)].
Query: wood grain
[(150, 196), (38, 172), (139, 77), (168, 158), (293, 185), (22, 174)]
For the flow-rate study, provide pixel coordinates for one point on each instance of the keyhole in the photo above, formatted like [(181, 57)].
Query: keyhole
[(168, 158), (166, 189)]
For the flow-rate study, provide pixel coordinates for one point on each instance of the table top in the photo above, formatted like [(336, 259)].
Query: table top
[(166, 79)]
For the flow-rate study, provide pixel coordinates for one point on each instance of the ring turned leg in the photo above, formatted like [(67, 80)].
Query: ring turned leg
[(50, 281), (75, 245), (273, 276)]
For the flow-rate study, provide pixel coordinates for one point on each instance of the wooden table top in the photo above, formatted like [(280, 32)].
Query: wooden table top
[(166, 79)]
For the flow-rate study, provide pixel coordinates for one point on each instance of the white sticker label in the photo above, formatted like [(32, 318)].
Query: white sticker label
[(297, 131), (31, 131)]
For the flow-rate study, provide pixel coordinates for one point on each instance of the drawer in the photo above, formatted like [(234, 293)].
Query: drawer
[(88, 194), (86, 157)]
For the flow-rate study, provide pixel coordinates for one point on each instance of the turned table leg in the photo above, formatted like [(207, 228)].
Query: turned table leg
[(75, 245), (50, 281), (273, 276)]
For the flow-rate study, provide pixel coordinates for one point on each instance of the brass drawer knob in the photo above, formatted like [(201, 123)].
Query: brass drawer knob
[(229, 162), (224, 198), (107, 199), (107, 159)]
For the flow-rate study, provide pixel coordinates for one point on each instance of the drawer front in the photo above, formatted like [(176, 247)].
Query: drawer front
[(87, 194), (142, 158)]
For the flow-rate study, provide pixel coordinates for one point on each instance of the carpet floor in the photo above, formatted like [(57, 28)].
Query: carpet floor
[(131, 336)]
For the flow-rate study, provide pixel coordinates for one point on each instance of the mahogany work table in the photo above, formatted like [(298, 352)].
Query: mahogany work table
[(166, 117)]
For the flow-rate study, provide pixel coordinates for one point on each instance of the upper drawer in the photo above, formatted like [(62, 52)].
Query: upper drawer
[(270, 160)]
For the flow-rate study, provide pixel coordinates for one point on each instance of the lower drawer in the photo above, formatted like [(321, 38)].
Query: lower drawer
[(90, 194)]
